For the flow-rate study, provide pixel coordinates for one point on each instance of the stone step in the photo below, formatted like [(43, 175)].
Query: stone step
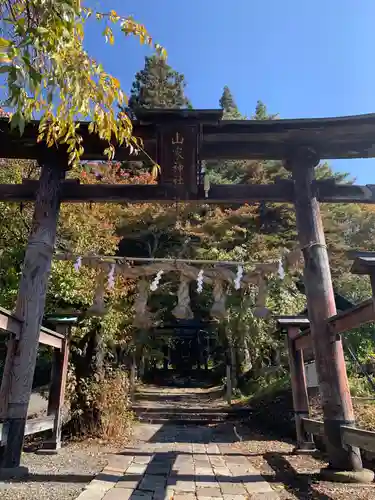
[(189, 409), (189, 417), (240, 412), (155, 419)]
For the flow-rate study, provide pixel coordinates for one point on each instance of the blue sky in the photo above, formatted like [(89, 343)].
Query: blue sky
[(301, 58)]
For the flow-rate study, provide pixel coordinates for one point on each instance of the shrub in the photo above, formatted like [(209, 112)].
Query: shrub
[(101, 408), (360, 387), (112, 401)]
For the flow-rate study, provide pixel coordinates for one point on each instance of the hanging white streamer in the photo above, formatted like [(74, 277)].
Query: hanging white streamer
[(111, 276), (238, 278), (78, 264), (200, 281), (154, 285), (281, 271)]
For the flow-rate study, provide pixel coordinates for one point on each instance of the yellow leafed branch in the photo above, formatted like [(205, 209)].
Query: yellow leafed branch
[(51, 76)]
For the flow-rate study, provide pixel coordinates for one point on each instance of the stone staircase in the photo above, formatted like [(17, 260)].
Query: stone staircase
[(184, 405), (188, 415)]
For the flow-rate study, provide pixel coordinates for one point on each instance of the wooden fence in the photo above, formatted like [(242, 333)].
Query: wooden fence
[(299, 339), (350, 436), (59, 341)]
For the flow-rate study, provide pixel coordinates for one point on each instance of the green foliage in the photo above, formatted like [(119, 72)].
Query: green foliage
[(360, 387), (229, 106), (157, 85), (261, 111), (251, 233), (15, 222), (243, 171), (50, 74)]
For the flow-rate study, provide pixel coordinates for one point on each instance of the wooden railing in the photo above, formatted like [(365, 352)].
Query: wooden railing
[(314, 427), (358, 315), (33, 426), (350, 436), (11, 326)]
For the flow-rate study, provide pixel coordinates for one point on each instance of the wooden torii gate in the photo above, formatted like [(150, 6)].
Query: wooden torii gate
[(179, 140)]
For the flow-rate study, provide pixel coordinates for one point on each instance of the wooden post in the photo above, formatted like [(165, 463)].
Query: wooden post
[(372, 281), (233, 364), (329, 355), (142, 367), (57, 390), (5, 381), (199, 351), (30, 307), (53, 395), (229, 384), (132, 377), (299, 391), (207, 353)]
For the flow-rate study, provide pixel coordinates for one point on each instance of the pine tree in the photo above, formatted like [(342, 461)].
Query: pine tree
[(157, 85), (261, 112), (243, 171), (228, 104)]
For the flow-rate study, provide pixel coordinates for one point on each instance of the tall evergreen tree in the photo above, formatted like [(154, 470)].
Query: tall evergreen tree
[(261, 112), (228, 104), (243, 171), (157, 85)]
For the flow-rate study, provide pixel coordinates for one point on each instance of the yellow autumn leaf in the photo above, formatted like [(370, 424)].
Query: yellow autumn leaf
[(155, 171), (4, 43)]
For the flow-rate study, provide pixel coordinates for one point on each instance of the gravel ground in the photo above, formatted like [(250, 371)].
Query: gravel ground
[(58, 477), (295, 476)]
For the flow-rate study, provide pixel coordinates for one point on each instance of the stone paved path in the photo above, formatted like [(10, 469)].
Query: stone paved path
[(178, 462)]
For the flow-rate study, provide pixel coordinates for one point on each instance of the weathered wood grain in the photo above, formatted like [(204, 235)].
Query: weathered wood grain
[(235, 194), (338, 137), (30, 306), (342, 322), (299, 391), (57, 389), (314, 427), (328, 349), (359, 438), (40, 424)]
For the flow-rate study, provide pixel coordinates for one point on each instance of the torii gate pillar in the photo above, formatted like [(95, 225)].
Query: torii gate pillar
[(22, 353), (328, 349)]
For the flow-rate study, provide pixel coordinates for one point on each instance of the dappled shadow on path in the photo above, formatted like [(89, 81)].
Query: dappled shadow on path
[(192, 433), (189, 460), (300, 485)]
